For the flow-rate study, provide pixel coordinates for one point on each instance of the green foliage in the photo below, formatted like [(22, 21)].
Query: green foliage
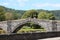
[(2, 17), (50, 16), (46, 15), (26, 29), (30, 14), (16, 16), (12, 16), (2, 11), (32, 25), (8, 16), (42, 15)]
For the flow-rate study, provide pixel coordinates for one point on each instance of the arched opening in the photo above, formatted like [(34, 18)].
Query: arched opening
[(2, 31), (29, 27)]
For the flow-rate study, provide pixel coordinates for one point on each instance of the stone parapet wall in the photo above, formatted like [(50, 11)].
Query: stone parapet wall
[(29, 36)]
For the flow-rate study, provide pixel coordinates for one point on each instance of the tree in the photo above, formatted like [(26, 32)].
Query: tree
[(16, 16), (2, 9), (2, 17), (42, 15), (8, 16), (45, 15), (2, 12), (50, 16), (30, 13)]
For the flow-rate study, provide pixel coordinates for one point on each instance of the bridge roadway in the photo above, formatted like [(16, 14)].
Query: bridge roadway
[(55, 38)]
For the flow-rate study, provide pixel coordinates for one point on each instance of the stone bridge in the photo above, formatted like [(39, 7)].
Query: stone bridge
[(13, 26)]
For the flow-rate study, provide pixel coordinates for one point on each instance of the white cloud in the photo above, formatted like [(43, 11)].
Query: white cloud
[(22, 3), (46, 5), (55, 5), (22, 0), (4, 3)]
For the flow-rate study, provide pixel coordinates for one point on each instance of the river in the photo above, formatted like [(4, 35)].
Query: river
[(55, 38)]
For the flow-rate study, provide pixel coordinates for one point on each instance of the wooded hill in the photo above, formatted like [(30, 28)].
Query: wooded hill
[(17, 14)]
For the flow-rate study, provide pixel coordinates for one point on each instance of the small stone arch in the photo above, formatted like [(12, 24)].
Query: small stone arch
[(46, 24), (19, 26)]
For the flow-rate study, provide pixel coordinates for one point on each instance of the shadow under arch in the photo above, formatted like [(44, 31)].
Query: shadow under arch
[(20, 26), (2, 31)]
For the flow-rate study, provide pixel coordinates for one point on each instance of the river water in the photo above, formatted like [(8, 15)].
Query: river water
[(55, 38)]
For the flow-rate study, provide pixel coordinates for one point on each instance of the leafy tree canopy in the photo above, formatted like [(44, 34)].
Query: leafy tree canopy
[(30, 13), (46, 15)]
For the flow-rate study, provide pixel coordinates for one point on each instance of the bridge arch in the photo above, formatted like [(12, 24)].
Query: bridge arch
[(20, 25)]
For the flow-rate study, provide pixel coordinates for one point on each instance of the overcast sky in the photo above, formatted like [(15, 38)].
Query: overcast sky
[(31, 4)]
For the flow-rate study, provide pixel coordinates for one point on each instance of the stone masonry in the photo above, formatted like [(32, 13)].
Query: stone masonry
[(12, 25)]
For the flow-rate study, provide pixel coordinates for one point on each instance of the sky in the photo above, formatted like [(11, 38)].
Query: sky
[(31, 4)]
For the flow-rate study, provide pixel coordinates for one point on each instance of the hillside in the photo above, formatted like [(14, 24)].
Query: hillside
[(21, 12), (12, 10)]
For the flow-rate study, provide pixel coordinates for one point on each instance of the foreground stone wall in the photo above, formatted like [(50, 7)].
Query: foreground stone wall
[(29, 36)]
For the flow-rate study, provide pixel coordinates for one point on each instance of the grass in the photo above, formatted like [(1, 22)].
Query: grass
[(2, 32), (31, 30), (26, 29)]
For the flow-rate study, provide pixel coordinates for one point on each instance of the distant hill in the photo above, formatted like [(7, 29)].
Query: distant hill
[(55, 12), (12, 10)]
